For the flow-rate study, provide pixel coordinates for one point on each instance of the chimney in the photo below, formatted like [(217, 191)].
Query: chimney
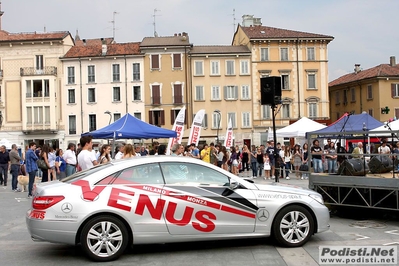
[(84, 42), (392, 61), (175, 34), (179, 34), (184, 33), (104, 47), (357, 68)]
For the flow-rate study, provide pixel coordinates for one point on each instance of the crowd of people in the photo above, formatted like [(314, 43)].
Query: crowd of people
[(263, 160)]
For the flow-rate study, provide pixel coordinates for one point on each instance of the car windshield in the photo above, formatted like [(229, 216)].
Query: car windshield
[(81, 174)]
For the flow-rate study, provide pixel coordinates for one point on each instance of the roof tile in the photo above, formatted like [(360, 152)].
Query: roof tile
[(165, 41), (95, 50), (383, 70), (32, 36), (264, 32)]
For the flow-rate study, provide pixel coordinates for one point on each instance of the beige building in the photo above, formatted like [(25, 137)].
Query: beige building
[(166, 79), (221, 84), (374, 90), (103, 81), (31, 86), (300, 59)]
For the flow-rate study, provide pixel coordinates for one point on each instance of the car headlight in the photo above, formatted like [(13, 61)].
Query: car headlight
[(317, 198)]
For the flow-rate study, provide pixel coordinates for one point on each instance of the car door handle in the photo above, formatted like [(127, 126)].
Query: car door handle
[(175, 193)]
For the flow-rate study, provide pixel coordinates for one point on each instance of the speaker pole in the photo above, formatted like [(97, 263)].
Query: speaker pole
[(276, 154)]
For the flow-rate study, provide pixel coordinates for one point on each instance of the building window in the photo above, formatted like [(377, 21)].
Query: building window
[(92, 123), (394, 90), (245, 92), (246, 119), (117, 116), (198, 68), (173, 115), (284, 54), (28, 88), (136, 93), (215, 120), (38, 115), (71, 75), (397, 112), (312, 109), (116, 94), (136, 71), (286, 110), (71, 96), (137, 115), (353, 95), (157, 118), (310, 53), (215, 68), (29, 115), (232, 116), (72, 124), (266, 112), (337, 100), (177, 93), (91, 95), (215, 93), (230, 92), (47, 115), (244, 67), (39, 62), (285, 78), (369, 92), (91, 75), (199, 93), (230, 67), (311, 81), (264, 54), (115, 73), (371, 112), (177, 61), (155, 61), (155, 94), (345, 97)]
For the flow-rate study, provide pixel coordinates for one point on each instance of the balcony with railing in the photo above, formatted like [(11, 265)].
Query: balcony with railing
[(32, 71)]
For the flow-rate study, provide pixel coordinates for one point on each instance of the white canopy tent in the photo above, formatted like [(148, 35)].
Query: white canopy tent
[(394, 126), (299, 128), (8, 144)]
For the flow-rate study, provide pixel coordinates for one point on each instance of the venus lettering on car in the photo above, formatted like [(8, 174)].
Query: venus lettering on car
[(116, 195), (88, 193)]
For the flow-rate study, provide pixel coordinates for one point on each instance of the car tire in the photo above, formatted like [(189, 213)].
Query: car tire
[(293, 226), (104, 238)]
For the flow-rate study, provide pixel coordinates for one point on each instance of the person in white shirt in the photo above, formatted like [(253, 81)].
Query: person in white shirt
[(86, 158), (137, 150), (384, 149), (121, 148), (70, 159)]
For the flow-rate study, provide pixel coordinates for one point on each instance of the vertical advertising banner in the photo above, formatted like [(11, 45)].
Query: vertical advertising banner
[(228, 140), (195, 132), (178, 126)]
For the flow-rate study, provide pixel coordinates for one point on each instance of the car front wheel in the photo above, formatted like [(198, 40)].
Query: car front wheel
[(293, 226), (104, 238)]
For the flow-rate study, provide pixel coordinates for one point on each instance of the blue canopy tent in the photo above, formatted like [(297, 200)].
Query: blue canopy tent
[(129, 127), (357, 124)]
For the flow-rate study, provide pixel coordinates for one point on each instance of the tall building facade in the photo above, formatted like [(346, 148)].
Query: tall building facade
[(300, 59)]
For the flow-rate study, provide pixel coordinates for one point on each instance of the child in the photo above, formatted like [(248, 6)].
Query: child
[(266, 166)]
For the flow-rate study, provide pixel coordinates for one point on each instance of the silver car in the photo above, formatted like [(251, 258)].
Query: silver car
[(160, 199)]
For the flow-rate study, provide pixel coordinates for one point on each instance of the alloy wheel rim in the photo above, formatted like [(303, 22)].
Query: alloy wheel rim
[(104, 239), (294, 227)]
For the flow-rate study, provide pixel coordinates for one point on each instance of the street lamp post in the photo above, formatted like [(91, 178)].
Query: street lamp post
[(109, 122), (217, 130)]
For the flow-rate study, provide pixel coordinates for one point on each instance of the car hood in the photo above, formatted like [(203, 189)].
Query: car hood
[(285, 188)]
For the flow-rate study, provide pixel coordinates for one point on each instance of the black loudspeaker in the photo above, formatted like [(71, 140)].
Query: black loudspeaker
[(270, 90), (380, 164), (353, 167)]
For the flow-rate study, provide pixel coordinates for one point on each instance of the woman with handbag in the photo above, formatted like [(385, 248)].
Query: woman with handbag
[(44, 156)]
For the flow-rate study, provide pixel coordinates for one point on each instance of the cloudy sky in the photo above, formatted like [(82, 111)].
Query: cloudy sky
[(365, 31)]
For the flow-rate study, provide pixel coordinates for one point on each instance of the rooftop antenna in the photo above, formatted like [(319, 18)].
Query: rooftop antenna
[(234, 20), (113, 24), (155, 30)]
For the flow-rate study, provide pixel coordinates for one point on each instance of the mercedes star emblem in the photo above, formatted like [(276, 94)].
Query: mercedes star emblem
[(66, 207), (262, 215)]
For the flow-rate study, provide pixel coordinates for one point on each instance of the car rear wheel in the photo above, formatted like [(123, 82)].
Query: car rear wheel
[(104, 238), (293, 226)]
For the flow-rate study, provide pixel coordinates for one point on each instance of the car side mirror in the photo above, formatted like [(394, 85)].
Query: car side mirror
[(234, 184)]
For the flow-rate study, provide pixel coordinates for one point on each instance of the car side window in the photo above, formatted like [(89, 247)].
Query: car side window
[(141, 174), (187, 173)]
